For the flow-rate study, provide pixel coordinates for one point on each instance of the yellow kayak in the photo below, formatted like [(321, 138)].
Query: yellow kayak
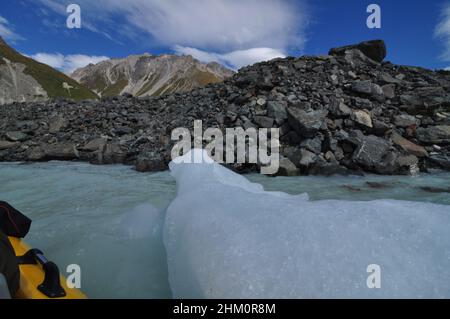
[(32, 277)]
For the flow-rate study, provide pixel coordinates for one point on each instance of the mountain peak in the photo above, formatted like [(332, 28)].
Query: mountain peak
[(146, 74), (2, 41)]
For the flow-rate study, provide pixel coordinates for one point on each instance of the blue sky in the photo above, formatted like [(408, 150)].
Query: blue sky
[(233, 32)]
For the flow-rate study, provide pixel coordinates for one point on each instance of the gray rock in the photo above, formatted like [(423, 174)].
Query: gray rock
[(4, 145), (16, 136), (150, 163), (277, 110), (306, 123), (441, 160), (409, 146), (26, 126), (409, 164), (261, 102), (344, 109), (121, 130), (60, 151), (389, 164), (407, 160), (287, 168), (293, 153), (370, 151), (389, 91), (112, 153), (367, 87), (307, 158), (405, 120), (363, 118), (375, 50), (263, 121), (314, 145), (94, 145), (56, 124), (380, 128), (35, 154), (439, 134)]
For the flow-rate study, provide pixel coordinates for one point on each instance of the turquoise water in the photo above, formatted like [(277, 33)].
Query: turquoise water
[(108, 219)]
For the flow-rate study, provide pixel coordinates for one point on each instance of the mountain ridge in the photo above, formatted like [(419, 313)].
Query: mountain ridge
[(23, 79), (149, 75)]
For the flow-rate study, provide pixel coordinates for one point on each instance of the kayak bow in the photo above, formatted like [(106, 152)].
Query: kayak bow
[(36, 274)]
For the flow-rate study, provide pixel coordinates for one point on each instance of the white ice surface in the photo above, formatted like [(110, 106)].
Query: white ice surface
[(227, 238)]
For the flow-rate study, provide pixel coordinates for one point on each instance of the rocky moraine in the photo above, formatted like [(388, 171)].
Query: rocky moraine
[(346, 112)]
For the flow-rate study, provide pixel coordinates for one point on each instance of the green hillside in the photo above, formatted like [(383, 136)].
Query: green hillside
[(50, 79)]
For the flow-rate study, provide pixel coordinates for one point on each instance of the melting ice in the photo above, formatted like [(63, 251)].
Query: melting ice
[(228, 238)]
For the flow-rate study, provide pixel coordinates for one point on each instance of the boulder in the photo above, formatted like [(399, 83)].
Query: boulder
[(111, 153), (409, 146), (293, 153), (375, 49), (16, 136), (56, 124), (35, 154), (407, 160), (405, 120), (408, 164), (370, 150), (306, 123), (4, 145), (443, 161), (363, 118), (380, 128), (287, 168), (344, 109), (307, 158), (389, 91), (313, 145), (439, 134), (150, 162), (367, 88), (263, 121), (60, 151), (277, 110), (93, 145)]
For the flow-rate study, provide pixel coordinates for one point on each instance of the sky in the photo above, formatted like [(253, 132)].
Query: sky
[(232, 32)]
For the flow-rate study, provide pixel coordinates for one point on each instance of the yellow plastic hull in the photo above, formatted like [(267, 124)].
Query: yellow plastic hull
[(31, 276)]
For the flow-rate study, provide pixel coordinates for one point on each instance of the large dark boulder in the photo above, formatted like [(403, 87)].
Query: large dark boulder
[(375, 49), (370, 150), (60, 152), (439, 134), (306, 123), (443, 161)]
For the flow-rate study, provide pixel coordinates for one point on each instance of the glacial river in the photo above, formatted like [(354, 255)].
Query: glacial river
[(109, 219)]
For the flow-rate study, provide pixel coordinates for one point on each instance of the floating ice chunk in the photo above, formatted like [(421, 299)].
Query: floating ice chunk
[(204, 171), (227, 238)]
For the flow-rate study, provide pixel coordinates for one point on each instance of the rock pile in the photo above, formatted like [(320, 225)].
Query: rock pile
[(346, 112)]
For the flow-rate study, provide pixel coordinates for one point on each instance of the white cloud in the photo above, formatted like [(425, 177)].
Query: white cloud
[(242, 29), (442, 30), (67, 63), (235, 59), (7, 32)]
